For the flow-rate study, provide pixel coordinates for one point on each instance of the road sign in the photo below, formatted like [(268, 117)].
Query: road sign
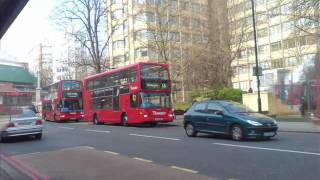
[(257, 73)]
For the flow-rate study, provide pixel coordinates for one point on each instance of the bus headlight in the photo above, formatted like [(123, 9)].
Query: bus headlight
[(145, 116), (62, 116)]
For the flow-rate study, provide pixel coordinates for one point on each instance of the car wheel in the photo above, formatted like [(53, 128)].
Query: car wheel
[(124, 120), (237, 133), (39, 136), (190, 130), (96, 120)]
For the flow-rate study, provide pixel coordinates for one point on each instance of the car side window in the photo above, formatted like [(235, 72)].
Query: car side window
[(200, 107), (213, 108)]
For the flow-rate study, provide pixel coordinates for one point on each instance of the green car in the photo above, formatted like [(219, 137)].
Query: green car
[(229, 118)]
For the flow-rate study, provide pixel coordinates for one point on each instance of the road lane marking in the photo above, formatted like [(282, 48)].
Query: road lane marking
[(77, 147), (184, 169), (141, 159), (98, 131), (111, 152), (32, 153), (268, 149), (69, 128), (156, 137)]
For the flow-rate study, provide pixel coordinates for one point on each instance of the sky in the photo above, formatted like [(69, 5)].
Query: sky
[(32, 27)]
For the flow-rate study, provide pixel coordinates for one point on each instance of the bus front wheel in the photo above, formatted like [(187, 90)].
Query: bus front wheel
[(124, 120)]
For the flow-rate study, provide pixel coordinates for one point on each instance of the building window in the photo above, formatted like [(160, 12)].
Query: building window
[(147, 17), (262, 49), (289, 43), (145, 35), (276, 46), (261, 18), (196, 24), (275, 31), (140, 2), (195, 7), (286, 9), (184, 5), (119, 59), (175, 54), (185, 22), (145, 52), (275, 12), (196, 38), (277, 63), (174, 36), (262, 33), (116, 2), (173, 5), (186, 38), (118, 45), (292, 61), (288, 26), (117, 29)]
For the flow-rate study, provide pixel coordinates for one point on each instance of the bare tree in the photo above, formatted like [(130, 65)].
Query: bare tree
[(84, 21), (308, 16)]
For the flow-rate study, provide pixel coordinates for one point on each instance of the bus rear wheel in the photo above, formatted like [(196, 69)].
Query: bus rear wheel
[(96, 120), (124, 120)]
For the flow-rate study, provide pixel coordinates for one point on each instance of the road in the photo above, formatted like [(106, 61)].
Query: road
[(287, 156)]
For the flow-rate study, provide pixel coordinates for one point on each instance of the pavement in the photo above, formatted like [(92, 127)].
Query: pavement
[(83, 163), (86, 151)]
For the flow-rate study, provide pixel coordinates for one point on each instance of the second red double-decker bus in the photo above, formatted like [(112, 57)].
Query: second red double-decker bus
[(63, 101), (135, 94)]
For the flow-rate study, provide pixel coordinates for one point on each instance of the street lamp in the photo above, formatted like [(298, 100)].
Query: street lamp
[(256, 55)]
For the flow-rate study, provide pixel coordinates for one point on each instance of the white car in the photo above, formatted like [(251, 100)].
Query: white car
[(20, 122)]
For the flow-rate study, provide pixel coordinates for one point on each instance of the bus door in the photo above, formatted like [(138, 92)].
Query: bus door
[(116, 99)]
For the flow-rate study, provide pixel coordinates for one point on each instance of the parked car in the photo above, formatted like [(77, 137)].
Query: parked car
[(20, 121), (229, 118)]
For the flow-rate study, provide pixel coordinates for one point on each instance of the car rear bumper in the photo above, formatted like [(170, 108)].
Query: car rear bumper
[(22, 132)]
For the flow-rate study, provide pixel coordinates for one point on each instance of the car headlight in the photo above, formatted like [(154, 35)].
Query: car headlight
[(255, 123), (274, 121)]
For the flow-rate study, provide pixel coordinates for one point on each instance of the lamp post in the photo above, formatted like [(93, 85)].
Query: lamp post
[(256, 55)]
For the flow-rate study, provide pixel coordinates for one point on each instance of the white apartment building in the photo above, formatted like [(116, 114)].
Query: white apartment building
[(284, 51)]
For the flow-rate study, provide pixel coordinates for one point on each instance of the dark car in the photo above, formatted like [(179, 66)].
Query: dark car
[(229, 118)]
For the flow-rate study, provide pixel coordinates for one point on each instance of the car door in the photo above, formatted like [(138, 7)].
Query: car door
[(199, 116), (215, 120)]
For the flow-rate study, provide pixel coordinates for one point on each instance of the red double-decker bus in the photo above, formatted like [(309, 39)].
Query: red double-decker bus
[(135, 94), (63, 101)]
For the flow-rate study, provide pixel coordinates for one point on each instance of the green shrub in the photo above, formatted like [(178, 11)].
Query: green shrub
[(230, 94), (181, 106)]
